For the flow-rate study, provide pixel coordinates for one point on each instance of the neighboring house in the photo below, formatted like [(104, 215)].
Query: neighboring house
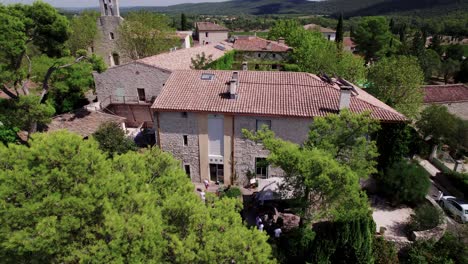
[(128, 90), (208, 32), (258, 51), (83, 122), (348, 44), (200, 116), (185, 39), (327, 33), (453, 96), (108, 25)]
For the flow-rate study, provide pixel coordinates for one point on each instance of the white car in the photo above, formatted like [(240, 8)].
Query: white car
[(457, 207)]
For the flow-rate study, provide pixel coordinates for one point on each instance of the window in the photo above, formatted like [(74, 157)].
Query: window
[(261, 123), (261, 168), (274, 67), (259, 55), (187, 170), (116, 58), (274, 55), (185, 140), (141, 94), (329, 36), (206, 34), (184, 114), (111, 35)]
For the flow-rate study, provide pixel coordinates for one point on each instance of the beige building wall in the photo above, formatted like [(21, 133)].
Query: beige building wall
[(213, 37)]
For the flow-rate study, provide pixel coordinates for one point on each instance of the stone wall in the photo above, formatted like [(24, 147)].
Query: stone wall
[(105, 45), (245, 151), (173, 126), (123, 81)]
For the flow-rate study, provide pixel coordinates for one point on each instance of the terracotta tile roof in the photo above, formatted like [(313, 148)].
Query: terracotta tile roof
[(319, 28), (445, 93), (209, 26), (82, 122), (259, 44), (292, 94), (348, 42), (181, 59)]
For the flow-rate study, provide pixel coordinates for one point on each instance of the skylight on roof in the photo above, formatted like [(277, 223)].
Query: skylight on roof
[(207, 76), (220, 47)]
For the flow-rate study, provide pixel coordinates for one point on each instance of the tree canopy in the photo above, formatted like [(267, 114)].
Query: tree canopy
[(144, 34), (84, 31), (397, 81), (373, 38), (64, 201)]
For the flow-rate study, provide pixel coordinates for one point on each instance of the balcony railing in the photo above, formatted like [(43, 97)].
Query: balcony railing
[(115, 99)]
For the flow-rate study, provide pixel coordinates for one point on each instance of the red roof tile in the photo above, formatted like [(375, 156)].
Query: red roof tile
[(209, 26), (292, 94), (259, 44), (348, 42), (445, 93)]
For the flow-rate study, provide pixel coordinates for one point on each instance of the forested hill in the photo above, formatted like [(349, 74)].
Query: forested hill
[(348, 7)]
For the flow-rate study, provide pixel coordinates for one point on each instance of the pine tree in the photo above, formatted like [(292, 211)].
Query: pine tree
[(339, 30), (183, 22)]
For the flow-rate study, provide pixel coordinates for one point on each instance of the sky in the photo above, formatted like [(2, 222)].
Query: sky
[(95, 3)]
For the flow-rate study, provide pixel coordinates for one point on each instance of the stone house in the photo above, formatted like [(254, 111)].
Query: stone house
[(258, 51), (200, 116), (208, 32), (128, 90), (453, 96), (327, 33)]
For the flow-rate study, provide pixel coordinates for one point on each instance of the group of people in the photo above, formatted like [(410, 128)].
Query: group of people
[(267, 224)]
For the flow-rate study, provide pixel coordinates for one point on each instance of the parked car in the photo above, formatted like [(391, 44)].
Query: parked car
[(457, 207)]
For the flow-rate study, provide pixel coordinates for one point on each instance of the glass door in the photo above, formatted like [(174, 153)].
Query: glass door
[(217, 173)]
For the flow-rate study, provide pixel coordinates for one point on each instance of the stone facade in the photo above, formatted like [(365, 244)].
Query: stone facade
[(174, 125), (106, 44), (207, 37), (123, 81)]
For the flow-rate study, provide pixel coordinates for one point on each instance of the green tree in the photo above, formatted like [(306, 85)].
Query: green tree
[(84, 31), (439, 124), (449, 69), (324, 173), (68, 203), (454, 52), (430, 63), (397, 81), (404, 182), (449, 249), (112, 139), (373, 37), (462, 75), (339, 30), (201, 61), (418, 45), (8, 134), (346, 138), (144, 34), (436, 44), (183, 22), (393, 142)]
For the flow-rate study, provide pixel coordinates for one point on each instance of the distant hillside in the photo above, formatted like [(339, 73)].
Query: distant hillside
[(325, 7)]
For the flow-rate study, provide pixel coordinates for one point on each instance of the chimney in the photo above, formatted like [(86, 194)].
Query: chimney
[(345, 96), (245, 66), (233, 84), (232, 89), (281, 40)]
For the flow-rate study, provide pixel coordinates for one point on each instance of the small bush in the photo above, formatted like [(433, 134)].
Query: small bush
[(112, 139), (425, 217), (232, 192), (404, 182), (384, 252)]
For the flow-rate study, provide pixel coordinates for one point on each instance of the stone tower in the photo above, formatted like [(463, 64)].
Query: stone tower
[(108, 25)]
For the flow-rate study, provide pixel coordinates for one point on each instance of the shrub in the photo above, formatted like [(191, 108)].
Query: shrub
[(404, 182), (112, 139), (232, 192), (384, 251), (460, 180), (425, 217)]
